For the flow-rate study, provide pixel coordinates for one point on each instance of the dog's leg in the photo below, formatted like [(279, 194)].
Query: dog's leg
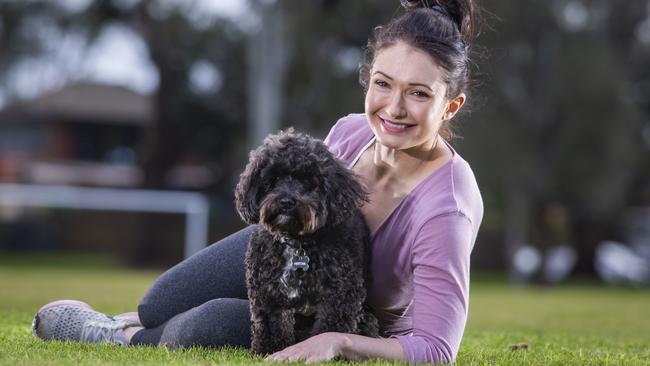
[(368, 325), (272, 330), (272, 327), (338, 313)]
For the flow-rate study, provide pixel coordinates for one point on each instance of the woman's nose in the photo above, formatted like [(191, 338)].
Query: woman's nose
[(395, 108)]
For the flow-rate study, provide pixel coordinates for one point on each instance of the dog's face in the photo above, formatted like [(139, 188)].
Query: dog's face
[(292, 204), (293, 186)]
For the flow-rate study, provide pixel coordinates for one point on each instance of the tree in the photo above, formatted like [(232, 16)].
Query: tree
[(555, 124)]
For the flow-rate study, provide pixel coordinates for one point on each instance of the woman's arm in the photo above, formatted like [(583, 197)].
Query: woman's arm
[(441, 261), (358, 348), (327, 346)]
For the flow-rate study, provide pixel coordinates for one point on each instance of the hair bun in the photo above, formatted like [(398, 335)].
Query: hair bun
[(426, 4), (461, 12), (413, 4)]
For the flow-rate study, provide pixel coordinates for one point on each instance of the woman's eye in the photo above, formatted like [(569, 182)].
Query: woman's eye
[(420, 94), (381, 83)]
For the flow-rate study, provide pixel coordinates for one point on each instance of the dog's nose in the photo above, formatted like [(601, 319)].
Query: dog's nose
[(286, 202)]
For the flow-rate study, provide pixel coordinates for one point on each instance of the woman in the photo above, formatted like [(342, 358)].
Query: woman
[(424, 213)]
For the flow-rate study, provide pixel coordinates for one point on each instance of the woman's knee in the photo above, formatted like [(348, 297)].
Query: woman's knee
[(217, 323), (150, 317), (215, 272)]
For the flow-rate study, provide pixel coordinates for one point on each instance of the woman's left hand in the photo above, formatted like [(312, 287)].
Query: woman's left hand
[(319, 348)]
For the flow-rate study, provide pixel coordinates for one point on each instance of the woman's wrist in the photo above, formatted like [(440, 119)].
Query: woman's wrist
[(344, 345), (357, 347)]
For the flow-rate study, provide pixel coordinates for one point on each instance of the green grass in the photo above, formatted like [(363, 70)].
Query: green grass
[(575, 324)]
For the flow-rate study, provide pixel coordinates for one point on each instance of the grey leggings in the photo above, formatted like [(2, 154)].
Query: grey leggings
[(201, 301)]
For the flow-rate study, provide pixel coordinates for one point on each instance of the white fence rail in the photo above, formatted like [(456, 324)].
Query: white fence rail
[(193, 205)]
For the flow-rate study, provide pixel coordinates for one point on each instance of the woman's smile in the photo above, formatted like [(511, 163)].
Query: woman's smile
[(395, 127)]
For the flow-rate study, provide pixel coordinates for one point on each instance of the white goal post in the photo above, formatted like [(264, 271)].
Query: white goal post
[(193, 205)]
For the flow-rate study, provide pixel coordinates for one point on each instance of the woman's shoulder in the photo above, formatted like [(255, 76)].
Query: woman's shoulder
[(352, 123), (451, 190), (448, 203), (348, 136), (465, 188)]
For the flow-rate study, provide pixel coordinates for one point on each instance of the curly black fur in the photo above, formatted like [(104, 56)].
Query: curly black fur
[(307, 203)]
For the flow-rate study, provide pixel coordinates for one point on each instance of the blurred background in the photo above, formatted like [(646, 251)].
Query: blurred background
[(124, 124)]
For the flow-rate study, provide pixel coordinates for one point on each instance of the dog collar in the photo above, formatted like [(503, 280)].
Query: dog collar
[(299, 258)]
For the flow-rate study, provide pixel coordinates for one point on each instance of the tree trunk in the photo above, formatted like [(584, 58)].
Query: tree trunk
[(266, 73), (517, 215)]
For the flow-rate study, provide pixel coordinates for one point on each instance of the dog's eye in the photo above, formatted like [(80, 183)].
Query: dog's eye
[(313, 180)]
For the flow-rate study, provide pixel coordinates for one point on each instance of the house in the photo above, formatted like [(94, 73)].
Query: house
[(91, 135), (84, 134)]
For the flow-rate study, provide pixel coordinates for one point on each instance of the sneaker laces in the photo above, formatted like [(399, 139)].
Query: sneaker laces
[(105, 331)]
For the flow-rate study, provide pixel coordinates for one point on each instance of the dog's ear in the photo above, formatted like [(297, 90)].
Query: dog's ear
[(248, 188), (344, 190), (252, 186)]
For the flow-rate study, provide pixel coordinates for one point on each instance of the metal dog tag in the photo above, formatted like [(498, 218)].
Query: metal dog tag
[(300, 262)]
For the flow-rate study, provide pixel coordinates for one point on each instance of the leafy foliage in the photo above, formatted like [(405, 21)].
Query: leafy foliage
[(557, 116)]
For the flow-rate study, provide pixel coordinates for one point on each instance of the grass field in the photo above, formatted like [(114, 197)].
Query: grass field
[(575, 324)]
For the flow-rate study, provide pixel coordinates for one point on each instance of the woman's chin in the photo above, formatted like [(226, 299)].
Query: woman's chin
[(392, 142)]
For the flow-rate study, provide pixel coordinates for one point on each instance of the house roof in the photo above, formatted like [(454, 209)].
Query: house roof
[(90, 103)]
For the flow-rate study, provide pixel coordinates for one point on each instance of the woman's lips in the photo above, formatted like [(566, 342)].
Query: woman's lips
[(394, 127)]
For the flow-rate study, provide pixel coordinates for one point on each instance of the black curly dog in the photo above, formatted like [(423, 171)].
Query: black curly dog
[(307, 263)]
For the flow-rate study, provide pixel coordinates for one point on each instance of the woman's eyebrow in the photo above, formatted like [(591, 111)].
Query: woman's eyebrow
[(383, 73), (412, 84), (422, 85)]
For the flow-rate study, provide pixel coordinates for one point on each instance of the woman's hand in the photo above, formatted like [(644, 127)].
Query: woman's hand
[(321, 347)]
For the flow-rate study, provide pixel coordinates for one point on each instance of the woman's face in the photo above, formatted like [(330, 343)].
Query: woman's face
[(406, 99)]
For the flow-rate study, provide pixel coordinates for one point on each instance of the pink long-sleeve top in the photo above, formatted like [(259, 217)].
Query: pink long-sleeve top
[(421, 252)]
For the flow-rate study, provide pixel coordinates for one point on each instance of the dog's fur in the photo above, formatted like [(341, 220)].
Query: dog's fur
[(304, 201)]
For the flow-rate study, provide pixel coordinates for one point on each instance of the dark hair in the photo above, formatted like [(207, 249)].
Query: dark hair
[(441, 28)]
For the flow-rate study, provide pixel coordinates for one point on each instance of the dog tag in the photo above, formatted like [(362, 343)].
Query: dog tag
[(300, 262)]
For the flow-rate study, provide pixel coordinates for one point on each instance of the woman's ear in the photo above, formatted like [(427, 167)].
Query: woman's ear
[(454, 105)]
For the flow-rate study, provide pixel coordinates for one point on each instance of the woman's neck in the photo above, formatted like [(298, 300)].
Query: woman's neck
[(394, 163)]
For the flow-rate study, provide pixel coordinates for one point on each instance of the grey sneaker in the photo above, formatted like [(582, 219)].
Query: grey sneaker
[(131, 317), (70, 320)]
